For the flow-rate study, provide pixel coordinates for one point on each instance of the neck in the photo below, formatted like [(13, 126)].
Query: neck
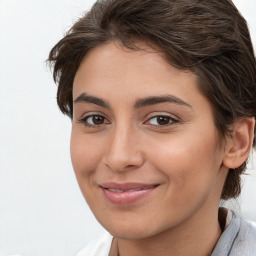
[(197, 236)]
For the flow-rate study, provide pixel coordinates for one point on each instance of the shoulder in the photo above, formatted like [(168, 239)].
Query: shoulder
[(237, 239), (245, 242), (248, 228), (98, 247)]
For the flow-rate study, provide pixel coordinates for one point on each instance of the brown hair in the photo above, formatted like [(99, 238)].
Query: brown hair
[(209, 38)]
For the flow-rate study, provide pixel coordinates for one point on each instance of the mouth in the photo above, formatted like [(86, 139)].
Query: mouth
[(127, 193)]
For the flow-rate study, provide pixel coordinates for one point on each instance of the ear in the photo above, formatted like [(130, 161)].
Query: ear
[(239, 145)]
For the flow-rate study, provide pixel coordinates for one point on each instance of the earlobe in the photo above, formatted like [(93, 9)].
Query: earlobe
[(239, 145)]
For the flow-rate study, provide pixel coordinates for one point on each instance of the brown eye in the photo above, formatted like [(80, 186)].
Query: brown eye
[(98, 120), (161, 120), (94, 120)]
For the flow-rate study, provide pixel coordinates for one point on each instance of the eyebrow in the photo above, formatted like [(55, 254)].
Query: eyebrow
[(160, 99), (148, 101), (92, 99)]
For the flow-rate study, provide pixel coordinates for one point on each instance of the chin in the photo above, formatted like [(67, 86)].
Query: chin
[(134, 234), (131, 229)]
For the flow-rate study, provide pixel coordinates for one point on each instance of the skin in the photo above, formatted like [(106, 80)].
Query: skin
[(184, 157)]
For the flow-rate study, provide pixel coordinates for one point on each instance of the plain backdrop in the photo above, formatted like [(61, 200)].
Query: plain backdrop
[(42, 212)]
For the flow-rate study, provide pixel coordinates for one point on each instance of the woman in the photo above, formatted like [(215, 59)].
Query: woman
[(162, 97)]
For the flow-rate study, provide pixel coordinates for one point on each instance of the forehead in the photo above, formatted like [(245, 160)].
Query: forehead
[(116, 67)]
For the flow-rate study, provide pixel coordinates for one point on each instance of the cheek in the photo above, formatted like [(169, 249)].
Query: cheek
[(85, 154), (187, 161), (191, 178)]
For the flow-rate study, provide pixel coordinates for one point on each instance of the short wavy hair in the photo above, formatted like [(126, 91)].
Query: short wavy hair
[(209, 38)]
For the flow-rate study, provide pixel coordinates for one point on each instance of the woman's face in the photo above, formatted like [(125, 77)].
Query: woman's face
[(144, 147)]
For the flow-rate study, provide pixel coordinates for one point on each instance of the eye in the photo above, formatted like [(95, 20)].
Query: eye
[(161, 120), (94, 120)]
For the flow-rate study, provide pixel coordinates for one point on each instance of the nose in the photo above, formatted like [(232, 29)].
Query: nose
[(123, 151)]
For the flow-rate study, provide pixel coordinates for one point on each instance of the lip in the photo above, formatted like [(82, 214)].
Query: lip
[(126, 193)]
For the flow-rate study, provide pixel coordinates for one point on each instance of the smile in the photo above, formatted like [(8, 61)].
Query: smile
[(128, 193)]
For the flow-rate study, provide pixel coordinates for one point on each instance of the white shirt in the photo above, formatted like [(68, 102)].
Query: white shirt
[(98, 247)]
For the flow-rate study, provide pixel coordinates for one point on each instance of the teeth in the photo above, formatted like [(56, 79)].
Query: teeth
[(116, 190), (121, 191)]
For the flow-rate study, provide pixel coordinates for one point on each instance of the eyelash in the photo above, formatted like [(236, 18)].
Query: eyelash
[(84, 121), (171, 121)]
